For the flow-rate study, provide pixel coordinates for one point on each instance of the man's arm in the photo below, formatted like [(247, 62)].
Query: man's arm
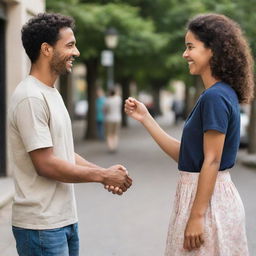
[(50, 166), (83, 162)]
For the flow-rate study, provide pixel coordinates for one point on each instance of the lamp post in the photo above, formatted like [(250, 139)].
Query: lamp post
[(111, 41)]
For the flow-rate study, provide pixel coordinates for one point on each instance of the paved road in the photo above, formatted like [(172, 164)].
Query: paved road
[(136, 223)]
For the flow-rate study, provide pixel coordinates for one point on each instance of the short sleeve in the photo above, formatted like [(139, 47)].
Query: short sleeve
[(215, 112), (31, 118)]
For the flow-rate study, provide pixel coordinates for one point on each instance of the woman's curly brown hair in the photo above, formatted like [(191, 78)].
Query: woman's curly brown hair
[(232, 61)]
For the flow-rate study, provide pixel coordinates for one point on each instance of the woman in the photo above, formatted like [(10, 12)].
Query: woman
[(208, 216)]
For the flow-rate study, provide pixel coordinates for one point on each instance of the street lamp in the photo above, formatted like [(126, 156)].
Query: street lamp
[(111, 40)]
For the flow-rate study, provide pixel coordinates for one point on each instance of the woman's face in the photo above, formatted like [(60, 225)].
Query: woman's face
[(197, 55)]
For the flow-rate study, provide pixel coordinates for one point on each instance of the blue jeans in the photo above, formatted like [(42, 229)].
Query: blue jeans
[(100, 130), (48, 242)]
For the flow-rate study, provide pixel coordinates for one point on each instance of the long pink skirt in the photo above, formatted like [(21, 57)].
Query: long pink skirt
[(224, 233)]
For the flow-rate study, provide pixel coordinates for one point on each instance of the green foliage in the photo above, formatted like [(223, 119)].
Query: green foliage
[(151, 33)]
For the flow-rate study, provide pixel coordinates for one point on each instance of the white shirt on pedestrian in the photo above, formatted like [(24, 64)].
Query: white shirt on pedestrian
[(113, 107)]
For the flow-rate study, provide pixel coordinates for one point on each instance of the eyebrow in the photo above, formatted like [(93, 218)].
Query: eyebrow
[(71, 42), (188, 43)]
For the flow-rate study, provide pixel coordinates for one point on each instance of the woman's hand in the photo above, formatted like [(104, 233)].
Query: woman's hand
[(135, 109), (193, 236)]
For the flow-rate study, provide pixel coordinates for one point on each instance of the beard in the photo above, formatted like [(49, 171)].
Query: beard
[(58, 64)]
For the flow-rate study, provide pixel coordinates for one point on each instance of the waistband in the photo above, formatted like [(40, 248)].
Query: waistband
[(192, 177)]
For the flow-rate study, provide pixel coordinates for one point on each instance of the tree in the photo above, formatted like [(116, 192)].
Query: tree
[(151, 38), (137, 40)]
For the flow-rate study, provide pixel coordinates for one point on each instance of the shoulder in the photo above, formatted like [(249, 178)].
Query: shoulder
[(220, 92), (25, 96), (27, 89)]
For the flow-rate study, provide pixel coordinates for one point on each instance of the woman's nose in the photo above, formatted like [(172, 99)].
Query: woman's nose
[(185, 54)]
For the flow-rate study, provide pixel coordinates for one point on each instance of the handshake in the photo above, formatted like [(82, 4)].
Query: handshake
[(116, 179)]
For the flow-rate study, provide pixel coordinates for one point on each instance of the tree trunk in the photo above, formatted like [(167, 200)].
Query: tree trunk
[(92, 70), (156, 99), (187, 101), (125, 82), (67, 92), (252, 129), (192, 93), (199, 87)]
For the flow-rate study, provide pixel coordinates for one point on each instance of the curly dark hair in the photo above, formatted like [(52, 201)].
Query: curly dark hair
[(232, 61), (43, 28)]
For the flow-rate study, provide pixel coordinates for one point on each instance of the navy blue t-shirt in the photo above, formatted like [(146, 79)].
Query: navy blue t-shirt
[(216, 109)]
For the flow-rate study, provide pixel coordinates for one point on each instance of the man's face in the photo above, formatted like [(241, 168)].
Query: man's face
[(64, 52)]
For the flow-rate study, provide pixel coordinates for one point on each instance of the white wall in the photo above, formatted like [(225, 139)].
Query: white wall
[(18, 12), (17, 62)]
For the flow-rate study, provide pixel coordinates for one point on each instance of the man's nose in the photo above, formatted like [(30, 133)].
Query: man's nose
[(76, 52)]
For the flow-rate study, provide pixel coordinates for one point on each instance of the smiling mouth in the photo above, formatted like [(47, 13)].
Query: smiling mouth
[(70, 62)]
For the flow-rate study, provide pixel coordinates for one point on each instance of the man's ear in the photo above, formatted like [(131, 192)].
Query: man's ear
[(46, 49)]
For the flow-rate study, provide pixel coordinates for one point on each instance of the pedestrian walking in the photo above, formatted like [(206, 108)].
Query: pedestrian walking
[(113, 107), (178, 109), (208, 216), (44, 164), (100, 114)]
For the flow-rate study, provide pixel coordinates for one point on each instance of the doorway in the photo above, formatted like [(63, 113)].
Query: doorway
[(2, 100)]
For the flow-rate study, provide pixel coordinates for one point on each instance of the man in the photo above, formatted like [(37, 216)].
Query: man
[(44, 162)]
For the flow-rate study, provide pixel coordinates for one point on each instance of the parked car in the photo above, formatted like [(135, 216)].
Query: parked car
[(244, 129)]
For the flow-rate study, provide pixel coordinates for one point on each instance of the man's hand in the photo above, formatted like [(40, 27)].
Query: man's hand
[(117, 180), (114, 190)]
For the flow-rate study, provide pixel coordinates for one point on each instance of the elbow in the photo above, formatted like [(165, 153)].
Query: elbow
[(44, 161), (41, 171), (44, 168), (213, 162)]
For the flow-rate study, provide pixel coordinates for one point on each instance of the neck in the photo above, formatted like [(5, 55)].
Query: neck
[(43, 73), (209, 80)]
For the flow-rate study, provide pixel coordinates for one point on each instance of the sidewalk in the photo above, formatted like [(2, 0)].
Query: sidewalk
[(246, 159), (136, 223)]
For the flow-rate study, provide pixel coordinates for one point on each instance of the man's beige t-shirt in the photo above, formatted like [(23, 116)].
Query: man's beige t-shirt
[(38, 119)]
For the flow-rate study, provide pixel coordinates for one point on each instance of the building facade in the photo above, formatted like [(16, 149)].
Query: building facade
[(14, 64)]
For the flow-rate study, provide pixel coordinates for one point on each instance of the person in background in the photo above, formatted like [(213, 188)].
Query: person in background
[(113, 116), (208, 216), (178, 109), (100, 114)]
